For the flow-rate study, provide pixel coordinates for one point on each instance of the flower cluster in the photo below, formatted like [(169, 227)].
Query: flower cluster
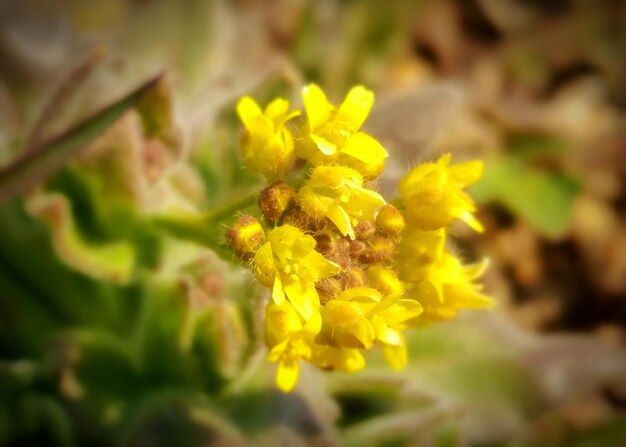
[(347, 270)]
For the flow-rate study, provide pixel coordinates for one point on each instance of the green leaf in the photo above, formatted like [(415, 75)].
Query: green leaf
[(34, 166), (114, 261), (541, 197)]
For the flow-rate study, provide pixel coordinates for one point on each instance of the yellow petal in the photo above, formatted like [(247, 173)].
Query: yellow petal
[(282, 240), (444, 160), (389, 336), (277, 109), (248, 110), (325, 146), (264, 265), (322, 267), (464, 174), (353, 360), (470, 220), (466, 298), (277, 351), (303, 298), (341, 219), (364, 332), (476, 270), (312, 203), (400, 311), (356, 106), (278, 293), (287, 375), (364, 148), (317, 107), (302, 246), (366, 204), (395, 356)]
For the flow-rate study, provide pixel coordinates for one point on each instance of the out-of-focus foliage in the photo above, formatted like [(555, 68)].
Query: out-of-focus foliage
[(122, 321)]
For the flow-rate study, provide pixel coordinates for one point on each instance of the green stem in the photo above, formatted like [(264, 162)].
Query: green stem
[(205, 228), (229, 210)]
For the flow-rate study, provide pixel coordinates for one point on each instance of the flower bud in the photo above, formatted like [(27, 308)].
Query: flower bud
[(385, 280), (378, 249), (365, 229), (328, 289), (354, 277), (390, 221), (356, 248), (334, 247), (275, 199), (245, 235)]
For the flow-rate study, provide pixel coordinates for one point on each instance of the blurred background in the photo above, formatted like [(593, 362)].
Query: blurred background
[(117, 331)]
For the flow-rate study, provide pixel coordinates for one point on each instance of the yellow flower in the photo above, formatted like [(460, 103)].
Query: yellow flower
[(432, 194), (348, 271), (417, 251), (390, 322), (267, 145), (290, 339), (346, 319), (334, 132), (336, 192), (359, 316), (289, 264), (449, 287)]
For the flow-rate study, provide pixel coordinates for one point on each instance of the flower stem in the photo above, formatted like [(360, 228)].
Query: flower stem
[(204, 228)]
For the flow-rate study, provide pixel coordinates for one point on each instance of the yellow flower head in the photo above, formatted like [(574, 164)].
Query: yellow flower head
[(334, 132), (348, 272), (433, 197), (336, 192), (448, 288), (289, 264), (267, 144)]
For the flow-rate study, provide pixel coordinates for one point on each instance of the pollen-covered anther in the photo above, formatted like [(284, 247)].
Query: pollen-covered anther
[(275, 199), (390, 221), (377, 250), (245, 235)]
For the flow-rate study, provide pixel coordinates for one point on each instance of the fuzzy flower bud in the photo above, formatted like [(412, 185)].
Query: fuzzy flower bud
[(245, 235), (274, 201), (390, 221), (385, 280), (378, 249)]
